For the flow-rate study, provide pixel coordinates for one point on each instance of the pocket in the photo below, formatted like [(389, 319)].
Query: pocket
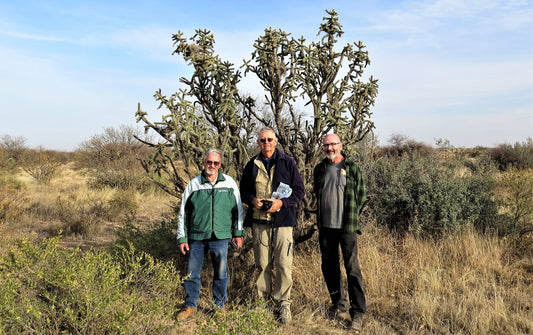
[(342, 180)]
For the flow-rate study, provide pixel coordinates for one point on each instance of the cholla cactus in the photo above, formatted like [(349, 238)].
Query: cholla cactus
[(307, 95), (210, 112)]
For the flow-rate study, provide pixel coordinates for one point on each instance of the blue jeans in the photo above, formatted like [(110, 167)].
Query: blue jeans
[(218, 250)]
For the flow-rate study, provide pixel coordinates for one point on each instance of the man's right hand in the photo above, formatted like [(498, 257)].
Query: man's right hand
[(256, 202), (184, 248)]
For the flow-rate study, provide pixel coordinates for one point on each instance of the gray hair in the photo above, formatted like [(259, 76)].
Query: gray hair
[(264, 129), (216, 152)]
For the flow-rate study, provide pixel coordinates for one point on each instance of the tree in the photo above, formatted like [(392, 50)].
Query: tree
[(211, 111), (289, 68), (112, 158), (12, 149)]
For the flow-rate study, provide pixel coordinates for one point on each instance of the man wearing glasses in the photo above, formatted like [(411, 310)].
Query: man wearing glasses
[(272, 218), (210, 216), (340, 192)]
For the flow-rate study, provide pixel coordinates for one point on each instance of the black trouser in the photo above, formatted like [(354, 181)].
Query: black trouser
[(330, 239)]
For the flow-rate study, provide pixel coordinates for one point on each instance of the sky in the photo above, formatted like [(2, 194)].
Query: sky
[(457, 70)]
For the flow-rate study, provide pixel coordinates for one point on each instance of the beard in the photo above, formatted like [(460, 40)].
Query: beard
[(210, 173), (332, 155)]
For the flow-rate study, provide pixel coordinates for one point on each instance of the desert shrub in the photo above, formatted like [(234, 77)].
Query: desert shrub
[(519, 155), (112, 159), (122, 204), (80, 216), (403, 145), (12, 199), (157, 239), (517, 195), (45, 289), (422, 195), (84, 214), (12, 149), (41, 164)]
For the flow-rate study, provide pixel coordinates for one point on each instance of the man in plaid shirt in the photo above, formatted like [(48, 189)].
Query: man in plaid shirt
[(340, 192)]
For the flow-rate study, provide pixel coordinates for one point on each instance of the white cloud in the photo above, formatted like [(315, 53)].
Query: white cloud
[(29, 36)]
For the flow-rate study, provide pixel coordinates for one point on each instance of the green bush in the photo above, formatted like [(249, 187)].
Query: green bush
[(121, 204), (45, 289), (422, 195), (519, 155), (253, 320), (158, 239)]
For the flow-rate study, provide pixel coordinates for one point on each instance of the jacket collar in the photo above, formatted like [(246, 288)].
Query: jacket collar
[(220, 177)]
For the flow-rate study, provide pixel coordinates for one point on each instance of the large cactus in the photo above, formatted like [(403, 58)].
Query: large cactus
[(310, 89)]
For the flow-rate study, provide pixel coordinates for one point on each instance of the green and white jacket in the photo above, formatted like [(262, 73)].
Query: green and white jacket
[(210, 211)]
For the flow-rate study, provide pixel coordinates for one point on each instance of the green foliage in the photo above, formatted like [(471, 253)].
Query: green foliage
[(428, 197), (45, 289), (519, 155), (157, 240), (12, 199), (252, 320), (122, 204)]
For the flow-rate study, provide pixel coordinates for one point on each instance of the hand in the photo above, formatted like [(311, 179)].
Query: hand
[(184, 248), (276, 205), (239, 241), (256, 202)]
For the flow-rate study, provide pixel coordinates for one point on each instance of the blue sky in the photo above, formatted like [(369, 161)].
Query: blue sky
[(460, 70)]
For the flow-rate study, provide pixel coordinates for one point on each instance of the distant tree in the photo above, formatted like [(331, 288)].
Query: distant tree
[(211, 111), (12, 149), (112, 158), (41, 164)]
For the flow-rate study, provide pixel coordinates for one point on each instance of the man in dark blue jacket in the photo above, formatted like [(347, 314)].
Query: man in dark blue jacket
[(272, 217)]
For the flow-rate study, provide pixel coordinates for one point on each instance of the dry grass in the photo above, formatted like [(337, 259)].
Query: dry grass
[(465, 284), (42, 216)]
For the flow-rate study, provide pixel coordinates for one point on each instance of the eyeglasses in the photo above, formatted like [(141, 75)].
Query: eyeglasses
[(264, 140), (325, 145), (212, 163)]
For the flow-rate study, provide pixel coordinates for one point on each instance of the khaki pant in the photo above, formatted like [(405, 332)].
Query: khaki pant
[(273, 251)]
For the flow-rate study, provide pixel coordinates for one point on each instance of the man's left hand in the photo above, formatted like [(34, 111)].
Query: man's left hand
[(276, 204)]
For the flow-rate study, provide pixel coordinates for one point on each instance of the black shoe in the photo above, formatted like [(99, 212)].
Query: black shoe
[(333, 311)]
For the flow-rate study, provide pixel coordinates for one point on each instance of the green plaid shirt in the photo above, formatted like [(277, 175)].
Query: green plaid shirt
[(354, 194)]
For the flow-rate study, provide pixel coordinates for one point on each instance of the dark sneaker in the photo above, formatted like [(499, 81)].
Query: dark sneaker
[(356, 324), (285, 314), (186, 312)]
